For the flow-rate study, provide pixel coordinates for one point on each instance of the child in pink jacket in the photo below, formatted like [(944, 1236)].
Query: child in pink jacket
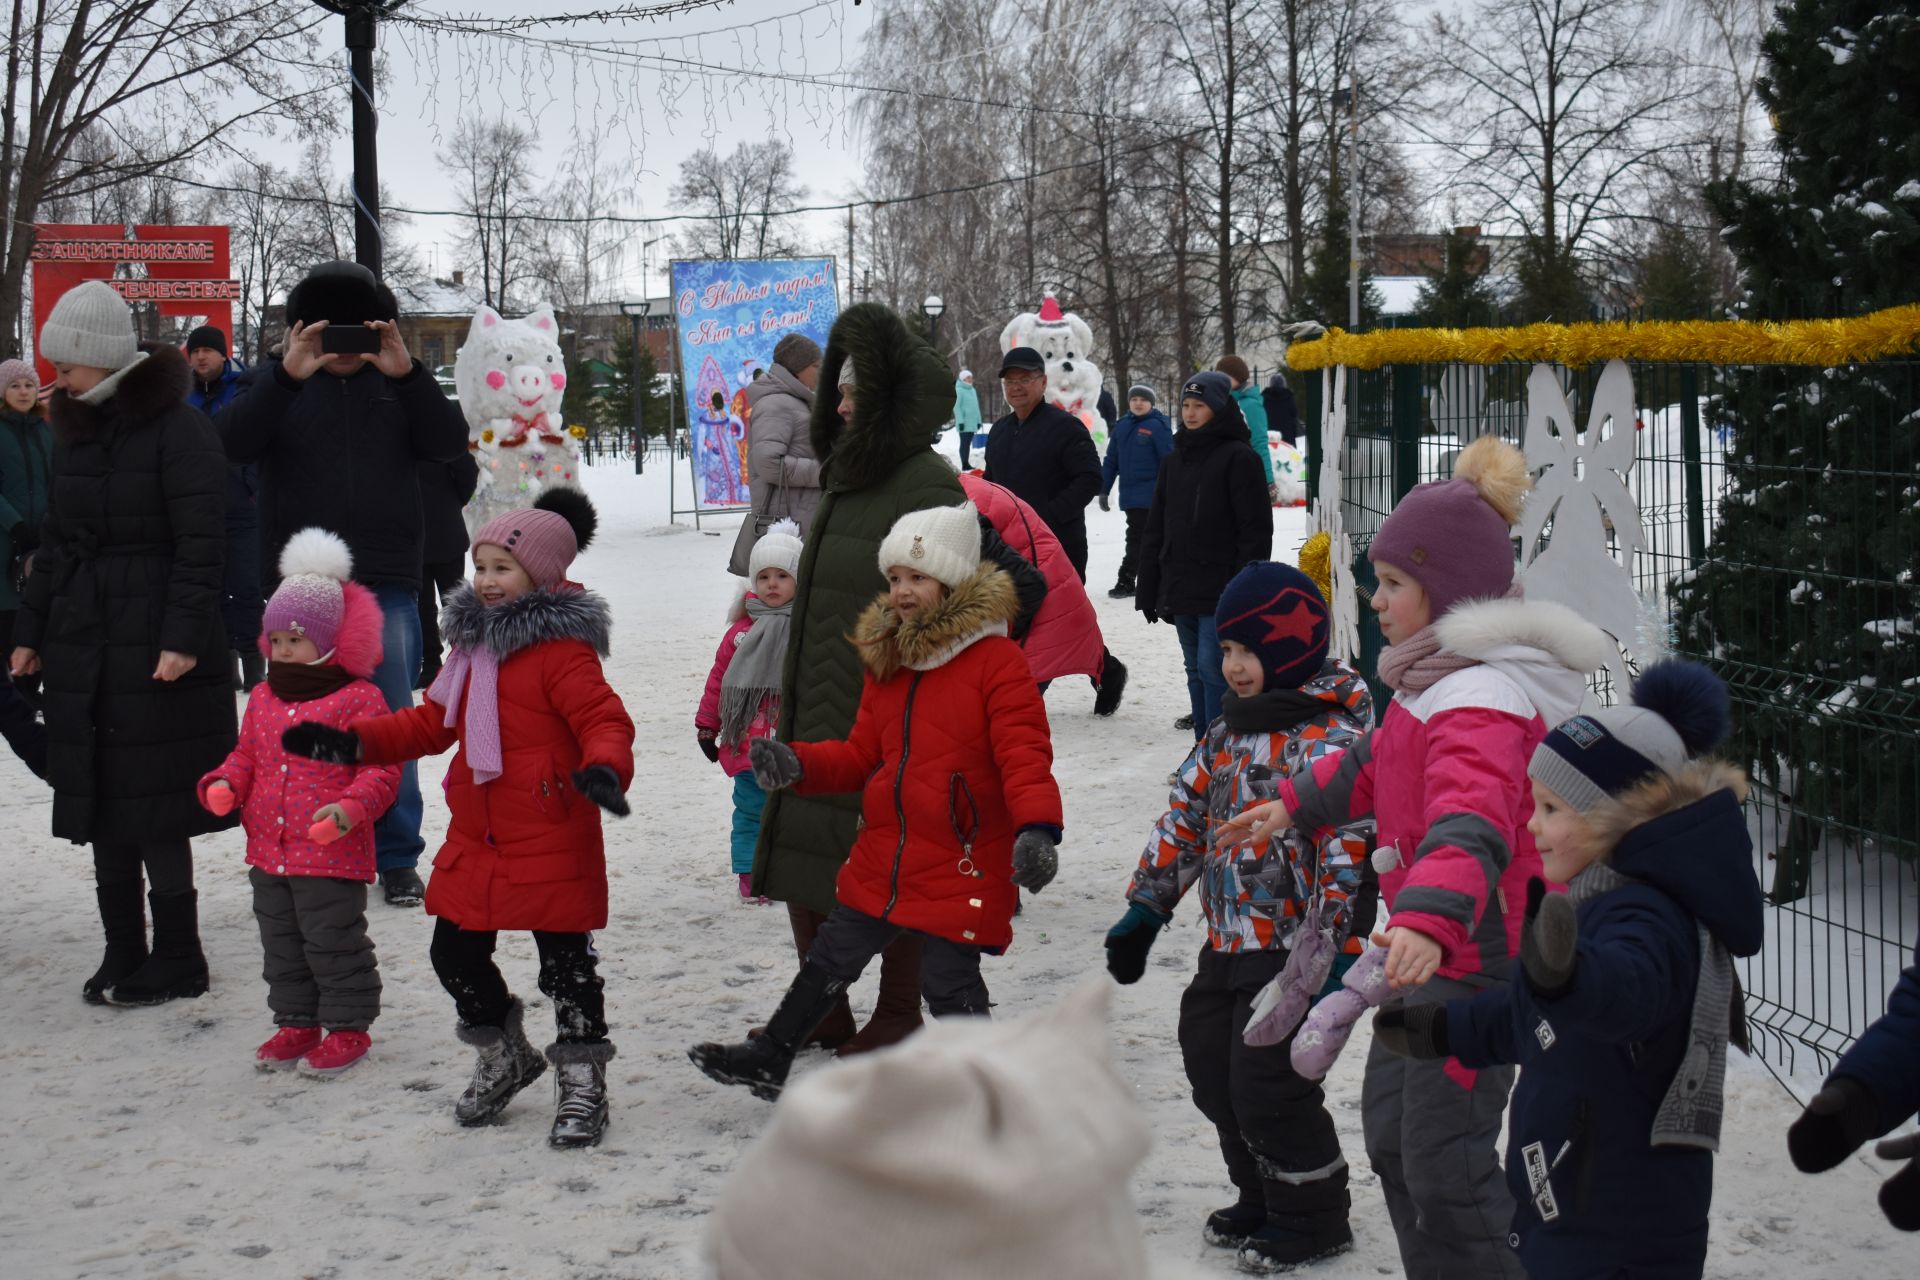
[(310, 825), (742, 700), (1479, 675)]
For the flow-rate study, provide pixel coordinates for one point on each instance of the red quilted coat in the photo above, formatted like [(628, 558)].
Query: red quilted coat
[(952, 756), (522, 851), (1064, 639)]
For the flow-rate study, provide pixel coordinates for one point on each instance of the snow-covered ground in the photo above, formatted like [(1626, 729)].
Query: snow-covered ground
[(143, 1143)]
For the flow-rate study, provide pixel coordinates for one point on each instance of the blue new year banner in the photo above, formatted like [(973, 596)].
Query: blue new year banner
[(730, 315)]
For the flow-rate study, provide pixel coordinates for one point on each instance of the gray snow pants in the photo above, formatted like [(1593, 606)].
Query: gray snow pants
[(320, 967), (949, 971), (1433, 1143)]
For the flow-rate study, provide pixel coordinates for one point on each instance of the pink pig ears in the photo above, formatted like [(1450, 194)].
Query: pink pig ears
[(496, 379)]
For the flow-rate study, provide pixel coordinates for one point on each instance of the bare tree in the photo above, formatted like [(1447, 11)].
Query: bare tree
[(209, 68), (270, 229), (738, 197), (491, 163), (1554, 110)]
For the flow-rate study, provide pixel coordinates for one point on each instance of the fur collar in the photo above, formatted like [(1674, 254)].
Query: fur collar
[(1483, 628), (1662, 794), (146, 390), (981, 606), (902, 398), (564, 613)]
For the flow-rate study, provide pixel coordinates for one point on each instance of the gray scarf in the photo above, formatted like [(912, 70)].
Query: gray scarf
[(1689, 1114), (754, 674)]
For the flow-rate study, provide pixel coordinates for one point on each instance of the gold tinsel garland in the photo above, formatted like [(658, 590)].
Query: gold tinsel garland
[(1893, 332)]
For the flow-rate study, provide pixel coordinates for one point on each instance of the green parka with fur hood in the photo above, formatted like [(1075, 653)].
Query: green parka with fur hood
[(875, 469)]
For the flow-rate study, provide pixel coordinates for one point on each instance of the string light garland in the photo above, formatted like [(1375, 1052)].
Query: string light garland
[(476, 24), (1848, 340)]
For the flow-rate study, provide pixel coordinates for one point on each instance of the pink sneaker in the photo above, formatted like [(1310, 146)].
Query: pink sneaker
[(339, 1051), (746, 886), (288, 1046)]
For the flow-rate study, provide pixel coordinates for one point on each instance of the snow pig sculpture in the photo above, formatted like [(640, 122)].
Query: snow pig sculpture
[(510, 376)]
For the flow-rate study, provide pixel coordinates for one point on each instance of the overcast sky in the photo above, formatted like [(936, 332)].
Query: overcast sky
[(644, 89)]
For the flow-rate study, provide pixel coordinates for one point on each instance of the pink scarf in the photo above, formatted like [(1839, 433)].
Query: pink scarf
[(1418, 663), (481, 733)]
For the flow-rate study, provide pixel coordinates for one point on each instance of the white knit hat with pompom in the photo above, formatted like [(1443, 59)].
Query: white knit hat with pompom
[(779, 548)]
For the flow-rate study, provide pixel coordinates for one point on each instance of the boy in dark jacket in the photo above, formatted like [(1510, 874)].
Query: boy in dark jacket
[(954, 765), (1628, 999), (1135, 448), (1209, 518), (1874, 1089), (1287, 706)]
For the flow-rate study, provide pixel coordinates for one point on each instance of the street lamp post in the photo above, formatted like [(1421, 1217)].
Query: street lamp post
[(361, 16), (637, 309), (933, 307)]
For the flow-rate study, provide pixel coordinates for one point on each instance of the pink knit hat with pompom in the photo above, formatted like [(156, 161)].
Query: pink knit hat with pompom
[(310, 601), (545, 537)]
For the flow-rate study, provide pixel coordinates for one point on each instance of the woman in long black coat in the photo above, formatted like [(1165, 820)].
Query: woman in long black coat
[(122, 615)]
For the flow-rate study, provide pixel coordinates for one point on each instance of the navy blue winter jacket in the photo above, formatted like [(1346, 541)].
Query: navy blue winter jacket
[(1598, 1059), (1135, 446), (1887, 1058), (211, 397)]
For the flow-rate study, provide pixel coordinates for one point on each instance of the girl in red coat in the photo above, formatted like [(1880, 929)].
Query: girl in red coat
[(310, 825), (543, 740), (952, 757)]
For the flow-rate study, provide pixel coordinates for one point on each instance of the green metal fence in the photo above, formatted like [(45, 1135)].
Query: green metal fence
[(1834, 752)]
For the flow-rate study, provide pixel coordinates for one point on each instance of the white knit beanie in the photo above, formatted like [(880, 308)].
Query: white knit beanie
[(941, 542), (90, 325), (778, 548), (975, 1150)]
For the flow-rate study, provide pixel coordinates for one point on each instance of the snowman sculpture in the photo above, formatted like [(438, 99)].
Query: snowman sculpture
[(1066, 343), (510, 376)]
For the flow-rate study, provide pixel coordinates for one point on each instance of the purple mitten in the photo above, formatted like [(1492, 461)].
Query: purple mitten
[(1326, 1030), (1277, 1010)]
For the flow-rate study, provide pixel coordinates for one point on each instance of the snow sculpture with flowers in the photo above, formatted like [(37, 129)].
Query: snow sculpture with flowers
[(510, 376), (1066, 343)]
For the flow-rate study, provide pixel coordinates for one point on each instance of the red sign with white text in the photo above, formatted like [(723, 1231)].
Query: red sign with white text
[(186, 271)]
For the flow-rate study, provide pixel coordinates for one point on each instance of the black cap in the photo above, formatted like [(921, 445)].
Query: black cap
[(207, 336), (1023, 358)]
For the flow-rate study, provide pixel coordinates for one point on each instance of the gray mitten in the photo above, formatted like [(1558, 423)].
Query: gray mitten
[(774, 764), (1034, 861), (1548, 940)]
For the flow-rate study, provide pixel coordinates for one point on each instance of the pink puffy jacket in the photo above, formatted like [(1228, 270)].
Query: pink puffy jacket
[(733, 755), (1064, 638)]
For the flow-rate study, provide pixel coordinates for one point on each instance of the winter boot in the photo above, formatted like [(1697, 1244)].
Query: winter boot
[(1306, 1218), (762, 1063), (580, 1090), (1112, 686), (177, 968), (1275, 1248), (1185, 723), (506, 1065), (1121, 589), (837, 1027), (123, 915), (338, 1053), (896, 1011), (403, 887), (1229, 1228)]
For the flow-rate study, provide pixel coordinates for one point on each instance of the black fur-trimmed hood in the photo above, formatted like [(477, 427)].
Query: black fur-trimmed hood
[(154, 386), (903, 394), (563, 613)]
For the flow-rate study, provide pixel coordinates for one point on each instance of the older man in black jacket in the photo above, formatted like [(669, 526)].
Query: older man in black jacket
[(1044, 454), (337, 437)]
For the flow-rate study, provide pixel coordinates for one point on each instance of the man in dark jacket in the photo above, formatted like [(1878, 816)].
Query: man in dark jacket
[(1044, 454), (337, 437), (445, 490), (217, 382), (1283, 412), (1134, 450)]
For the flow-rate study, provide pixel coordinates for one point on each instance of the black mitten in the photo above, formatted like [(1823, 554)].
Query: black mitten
[(1838, 1119), (1034, 861), (1548, 940), (775, 764), (1413, 1030), (322, 742), (600, 784), (708, 747), (1900, 1194)]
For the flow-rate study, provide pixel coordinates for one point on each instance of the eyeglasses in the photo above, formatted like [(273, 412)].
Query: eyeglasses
[(1021, 379)]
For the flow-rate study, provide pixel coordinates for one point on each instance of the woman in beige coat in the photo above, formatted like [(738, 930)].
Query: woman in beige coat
[(784, 473)]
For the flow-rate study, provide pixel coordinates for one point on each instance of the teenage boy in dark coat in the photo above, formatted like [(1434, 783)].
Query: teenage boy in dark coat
[(337, 437), (1044, 454), (1135, 449)]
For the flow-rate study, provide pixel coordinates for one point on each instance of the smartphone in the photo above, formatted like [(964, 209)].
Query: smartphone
[(349, 339)]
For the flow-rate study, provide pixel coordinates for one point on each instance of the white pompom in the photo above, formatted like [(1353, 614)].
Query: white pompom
[(783, 527), (1386, 858), (317, 552)]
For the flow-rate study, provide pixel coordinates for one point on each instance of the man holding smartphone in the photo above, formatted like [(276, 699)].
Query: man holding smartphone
[(337, 426)]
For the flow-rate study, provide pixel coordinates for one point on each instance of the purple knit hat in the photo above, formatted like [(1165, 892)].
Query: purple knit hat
[(1454, 537), (310, 601), (545, 537)]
